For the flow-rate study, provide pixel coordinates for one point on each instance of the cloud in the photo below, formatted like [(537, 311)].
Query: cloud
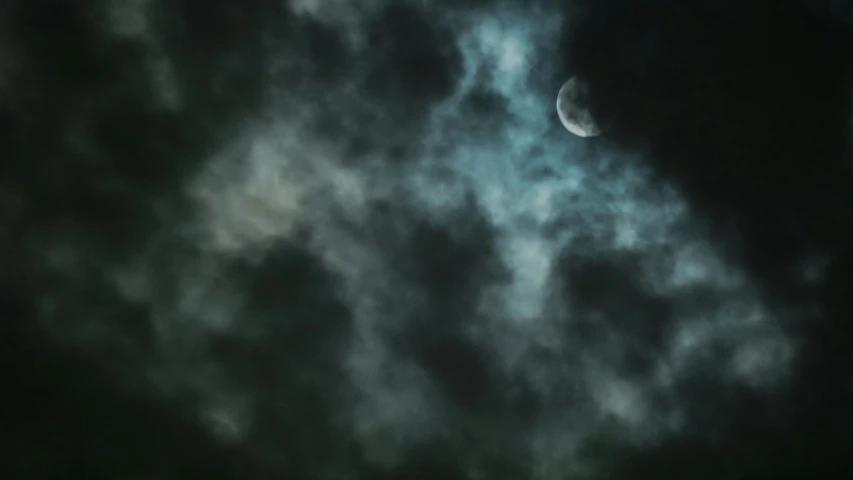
[(386, 260), (521, 322)]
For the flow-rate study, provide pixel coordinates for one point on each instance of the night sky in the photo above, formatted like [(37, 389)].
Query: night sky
[(350, 239)]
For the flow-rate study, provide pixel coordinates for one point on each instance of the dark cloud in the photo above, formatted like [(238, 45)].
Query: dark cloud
[(284, 356), (755, 108), (747, 108), (416, 60), (349, 239), (611, 290)]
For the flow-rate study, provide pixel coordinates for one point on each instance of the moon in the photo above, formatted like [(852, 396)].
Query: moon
[(574, 110)]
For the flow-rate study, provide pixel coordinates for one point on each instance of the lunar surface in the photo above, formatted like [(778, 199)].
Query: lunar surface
[(574, 109)]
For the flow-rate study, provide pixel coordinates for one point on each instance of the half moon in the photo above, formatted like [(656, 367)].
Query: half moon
[(574, 110)]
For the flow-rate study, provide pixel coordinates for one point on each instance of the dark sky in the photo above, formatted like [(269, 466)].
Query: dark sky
[(349, 239)]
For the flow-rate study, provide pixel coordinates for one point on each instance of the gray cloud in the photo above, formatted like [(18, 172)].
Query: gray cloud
[(521, 249), (596, 203)]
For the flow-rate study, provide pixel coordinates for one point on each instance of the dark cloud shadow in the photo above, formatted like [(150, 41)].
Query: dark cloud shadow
[(608, 298), (285, 352), (69, 417)]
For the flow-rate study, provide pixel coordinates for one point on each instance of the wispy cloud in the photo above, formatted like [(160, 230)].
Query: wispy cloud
[(311, 173)]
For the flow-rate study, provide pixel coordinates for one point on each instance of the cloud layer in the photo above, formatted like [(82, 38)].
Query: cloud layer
[(555, 270), (389, 246)]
